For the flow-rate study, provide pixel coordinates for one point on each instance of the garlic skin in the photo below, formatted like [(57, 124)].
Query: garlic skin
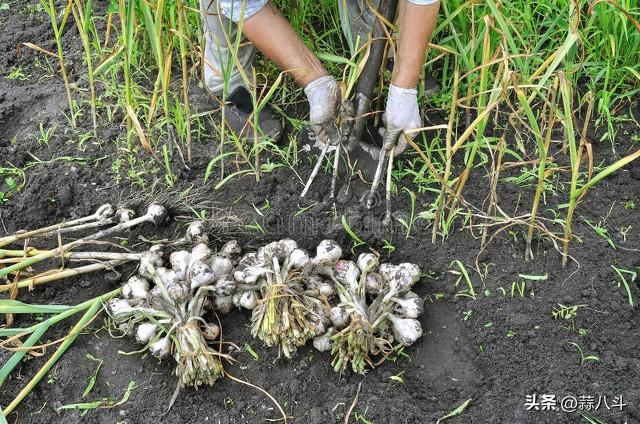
[(324, 343), (405, 330), (136, 288), (179, 261), (339, 317), (248, 299), (145, 332), (161, 347)]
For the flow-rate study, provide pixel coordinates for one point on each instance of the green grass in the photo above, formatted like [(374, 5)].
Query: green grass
[(515, 67)]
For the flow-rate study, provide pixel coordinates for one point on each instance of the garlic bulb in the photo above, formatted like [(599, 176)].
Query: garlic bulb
[(119, 307), (210, 331), (200, 252), (168, 277), (327, 253), (289, 245), (248, 299), (161, 347), (179, 261), (196, 233), (298, 259), (178, 292), (157, 213), (412, 270), (225, 286), (374, 284), (149, 261), (405, 330), (347, 272), (200, 274), (367, 262), (221, 266), (324, 343), (409, 307), (326, 289), (125, 214), (145, 332), (231, 250), (339, 317), (135, 288), (105, 212), (272, 250)]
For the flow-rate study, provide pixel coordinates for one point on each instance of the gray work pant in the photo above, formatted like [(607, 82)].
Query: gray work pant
[(222, 40)]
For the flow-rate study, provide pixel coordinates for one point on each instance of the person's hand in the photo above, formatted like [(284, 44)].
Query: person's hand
[(401, 114), (323, 95)]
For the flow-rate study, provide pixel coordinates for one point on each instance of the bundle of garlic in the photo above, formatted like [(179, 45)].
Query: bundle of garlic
[(376, 314), (166, 303), (289, 303)]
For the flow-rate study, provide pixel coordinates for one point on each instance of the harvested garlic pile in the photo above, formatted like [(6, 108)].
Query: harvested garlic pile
[(288, 303), (292, 297), (376, 313), (166, 303)]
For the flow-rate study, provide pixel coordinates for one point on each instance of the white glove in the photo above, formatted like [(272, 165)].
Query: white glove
[(323, 95), (401, 114)]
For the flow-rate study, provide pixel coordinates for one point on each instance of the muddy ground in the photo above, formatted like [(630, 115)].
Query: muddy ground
[(495, 350)]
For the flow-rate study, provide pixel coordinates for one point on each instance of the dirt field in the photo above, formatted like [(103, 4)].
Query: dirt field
[(495, 350)]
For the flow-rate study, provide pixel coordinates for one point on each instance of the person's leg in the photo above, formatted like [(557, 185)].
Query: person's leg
[(220, 35), (221, 75)]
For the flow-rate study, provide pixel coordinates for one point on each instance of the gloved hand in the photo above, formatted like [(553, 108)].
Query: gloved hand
[(323, 95), (400, 114)]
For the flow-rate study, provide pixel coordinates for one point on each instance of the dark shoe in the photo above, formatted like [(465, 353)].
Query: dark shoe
[(238, 114)]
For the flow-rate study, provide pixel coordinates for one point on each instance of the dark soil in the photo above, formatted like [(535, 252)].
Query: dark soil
[(494, 350)]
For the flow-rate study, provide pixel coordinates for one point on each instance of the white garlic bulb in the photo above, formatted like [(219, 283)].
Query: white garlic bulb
[(367, 262), (135, 288), (339, 317), (248, 299), (179, 261), (405, 330), (324, 343), (145, 332), (161, 347)]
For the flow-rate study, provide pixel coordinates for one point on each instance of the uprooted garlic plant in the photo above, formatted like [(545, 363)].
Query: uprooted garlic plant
[(376, 313), (165, 305), (361, 311)]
